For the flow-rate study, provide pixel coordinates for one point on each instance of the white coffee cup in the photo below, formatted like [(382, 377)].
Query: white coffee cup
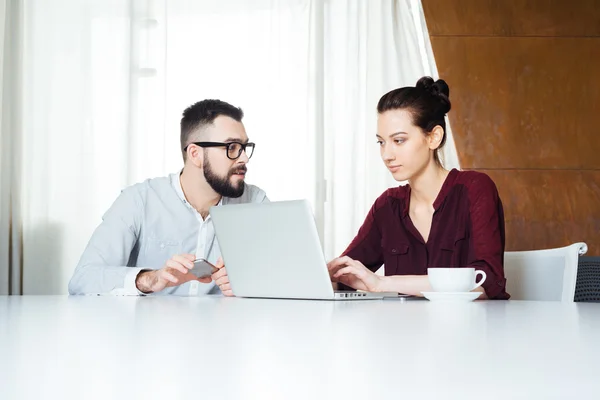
[(454, 279)]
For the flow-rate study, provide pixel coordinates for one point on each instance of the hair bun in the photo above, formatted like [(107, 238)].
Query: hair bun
[(442, 87), (438, 89)]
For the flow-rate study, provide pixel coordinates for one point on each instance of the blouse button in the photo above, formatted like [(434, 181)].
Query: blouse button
[(394, 251)]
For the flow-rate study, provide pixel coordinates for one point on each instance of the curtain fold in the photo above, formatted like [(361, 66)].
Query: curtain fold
[(11, 92)]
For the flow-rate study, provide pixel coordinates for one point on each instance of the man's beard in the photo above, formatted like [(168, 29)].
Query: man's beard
[(223, 185)]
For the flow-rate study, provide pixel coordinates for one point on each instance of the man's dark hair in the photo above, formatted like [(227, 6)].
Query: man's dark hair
[(203, 113)]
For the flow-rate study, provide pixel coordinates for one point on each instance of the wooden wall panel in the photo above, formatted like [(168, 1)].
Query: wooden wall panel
[(523, 102), (557, 207), (525, 93), (512, 17)]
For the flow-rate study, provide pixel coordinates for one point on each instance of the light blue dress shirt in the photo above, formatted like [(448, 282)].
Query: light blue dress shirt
[(147, 224)]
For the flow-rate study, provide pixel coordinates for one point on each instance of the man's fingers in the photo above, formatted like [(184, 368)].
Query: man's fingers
[(222, 280), (189, 264), (220, 263), (225, 287), (167, 276), (228, 293), (207, 279), (190, 257), (219, 274), (176, 266)]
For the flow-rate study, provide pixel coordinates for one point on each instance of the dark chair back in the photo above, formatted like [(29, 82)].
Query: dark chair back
[(588, 280)]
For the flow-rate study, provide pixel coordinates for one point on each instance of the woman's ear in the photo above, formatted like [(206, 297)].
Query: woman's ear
[(435, 137)]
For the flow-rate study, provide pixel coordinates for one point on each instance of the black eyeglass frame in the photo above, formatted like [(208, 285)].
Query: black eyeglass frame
[(227, 145)]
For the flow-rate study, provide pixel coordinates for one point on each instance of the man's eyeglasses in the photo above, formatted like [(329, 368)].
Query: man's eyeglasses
[(234, 149)]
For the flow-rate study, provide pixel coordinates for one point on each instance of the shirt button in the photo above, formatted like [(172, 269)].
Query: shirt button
[(394, 251), (162, 245), (193, 288)]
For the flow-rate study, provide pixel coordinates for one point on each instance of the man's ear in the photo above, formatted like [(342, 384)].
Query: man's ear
[(195, 155)]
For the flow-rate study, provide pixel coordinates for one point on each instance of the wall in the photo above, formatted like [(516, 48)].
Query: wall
[(525, 91)]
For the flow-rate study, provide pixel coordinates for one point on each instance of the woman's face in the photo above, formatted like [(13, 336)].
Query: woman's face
[(406, 151)]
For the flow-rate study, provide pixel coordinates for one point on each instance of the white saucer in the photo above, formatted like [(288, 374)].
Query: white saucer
[(451, 296)]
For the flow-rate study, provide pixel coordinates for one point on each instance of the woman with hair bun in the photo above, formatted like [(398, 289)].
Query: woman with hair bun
[(440, 218)]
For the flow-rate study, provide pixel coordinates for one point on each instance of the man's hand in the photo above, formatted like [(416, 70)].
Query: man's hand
[(221, 279), (175, 272)]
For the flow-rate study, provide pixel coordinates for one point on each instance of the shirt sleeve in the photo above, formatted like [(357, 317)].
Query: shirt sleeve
[(102, 268), (366, 246), (486, 251), (256, 195)]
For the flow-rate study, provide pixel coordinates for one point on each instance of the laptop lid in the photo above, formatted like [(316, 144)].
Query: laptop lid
[(272, 250)]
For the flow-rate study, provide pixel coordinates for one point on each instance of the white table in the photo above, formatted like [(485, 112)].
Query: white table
[(222, 348)]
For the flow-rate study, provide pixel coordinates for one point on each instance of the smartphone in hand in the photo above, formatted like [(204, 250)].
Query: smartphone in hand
[(202, 268)]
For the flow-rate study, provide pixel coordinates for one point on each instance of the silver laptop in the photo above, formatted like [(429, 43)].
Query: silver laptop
[(272, 250)]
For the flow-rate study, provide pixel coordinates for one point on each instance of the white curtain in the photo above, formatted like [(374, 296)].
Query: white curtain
[(102, 85), (11, 88), (4, 210)]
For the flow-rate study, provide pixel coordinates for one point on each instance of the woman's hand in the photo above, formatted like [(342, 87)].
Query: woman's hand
[(354, 274)]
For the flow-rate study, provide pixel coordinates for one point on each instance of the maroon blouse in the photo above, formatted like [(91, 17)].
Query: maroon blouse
[(467, 230)]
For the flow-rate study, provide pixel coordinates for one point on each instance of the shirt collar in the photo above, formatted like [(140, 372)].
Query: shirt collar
[(446, 187), (175, 179)]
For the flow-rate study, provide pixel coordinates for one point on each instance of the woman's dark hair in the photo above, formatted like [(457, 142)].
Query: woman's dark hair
[(427, 102)]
